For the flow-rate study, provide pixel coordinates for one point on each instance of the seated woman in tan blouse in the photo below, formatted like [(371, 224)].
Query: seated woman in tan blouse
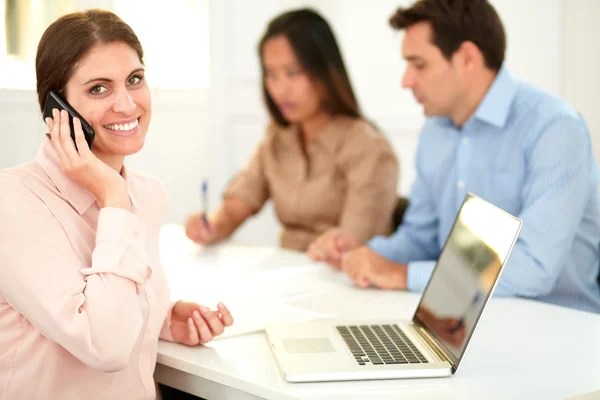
[(320, 162)]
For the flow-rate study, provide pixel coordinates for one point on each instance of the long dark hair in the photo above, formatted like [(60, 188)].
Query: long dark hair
[(315, 47)]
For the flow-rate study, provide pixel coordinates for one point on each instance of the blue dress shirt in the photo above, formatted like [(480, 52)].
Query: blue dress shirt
[(529, 153)]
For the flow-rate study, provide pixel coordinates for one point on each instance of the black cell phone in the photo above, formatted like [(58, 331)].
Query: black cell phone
[(55, 100)]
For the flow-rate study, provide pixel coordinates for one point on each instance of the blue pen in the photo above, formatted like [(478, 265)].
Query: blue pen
[(204, 190)]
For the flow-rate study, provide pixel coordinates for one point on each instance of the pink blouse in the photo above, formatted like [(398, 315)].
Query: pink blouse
[(83, 297)]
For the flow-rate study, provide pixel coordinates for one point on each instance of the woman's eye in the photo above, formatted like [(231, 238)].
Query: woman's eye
[(134, 80), (98, 89)]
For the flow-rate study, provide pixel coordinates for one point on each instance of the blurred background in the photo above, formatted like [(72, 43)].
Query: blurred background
[(203, 68)]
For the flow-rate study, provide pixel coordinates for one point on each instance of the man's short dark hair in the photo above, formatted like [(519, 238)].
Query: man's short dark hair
[(455, 22)]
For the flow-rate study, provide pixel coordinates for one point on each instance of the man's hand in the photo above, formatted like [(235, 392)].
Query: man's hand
[(366, 268), (330, 247)]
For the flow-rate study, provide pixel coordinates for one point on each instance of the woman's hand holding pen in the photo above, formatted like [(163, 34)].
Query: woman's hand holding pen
[(200, 230)]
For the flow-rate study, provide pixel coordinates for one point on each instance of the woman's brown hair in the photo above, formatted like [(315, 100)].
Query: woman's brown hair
[(315, 46), (64, 44)]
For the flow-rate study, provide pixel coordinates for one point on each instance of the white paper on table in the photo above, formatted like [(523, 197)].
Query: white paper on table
[(255, 298), (256, 319), (215, 260), (276, 285), (177, 252)]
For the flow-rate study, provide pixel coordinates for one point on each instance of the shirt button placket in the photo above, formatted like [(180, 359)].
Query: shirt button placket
[(462, 167)]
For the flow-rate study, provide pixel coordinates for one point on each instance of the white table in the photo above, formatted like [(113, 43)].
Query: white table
[(522, 349)]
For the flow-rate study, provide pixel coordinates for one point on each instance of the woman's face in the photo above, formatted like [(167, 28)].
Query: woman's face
[(289, 86), (109, 90)]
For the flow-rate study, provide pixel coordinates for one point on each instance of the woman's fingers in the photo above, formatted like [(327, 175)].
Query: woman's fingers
[(66, 141), (225, 314), (82, 146), (54, 125), (193, 337), (204, 332)]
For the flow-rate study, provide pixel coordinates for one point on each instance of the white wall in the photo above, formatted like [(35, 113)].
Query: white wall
[(211, 133), (21, 126), (582, 63), (176, 147)]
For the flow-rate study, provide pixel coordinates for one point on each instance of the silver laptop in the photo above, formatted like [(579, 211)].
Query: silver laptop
[(434, 342)]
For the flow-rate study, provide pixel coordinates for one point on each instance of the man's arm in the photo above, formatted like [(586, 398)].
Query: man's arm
[(416, 240), (561, 175)]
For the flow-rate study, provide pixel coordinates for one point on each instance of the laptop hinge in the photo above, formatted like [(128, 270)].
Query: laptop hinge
[(433, 346)]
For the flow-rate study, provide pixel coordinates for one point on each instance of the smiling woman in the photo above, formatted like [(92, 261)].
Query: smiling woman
[(108, 86), (82, 291)]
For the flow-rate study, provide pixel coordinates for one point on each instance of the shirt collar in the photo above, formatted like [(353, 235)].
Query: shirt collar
[(495, 106), (326, 137), (78, 196), (125, 174)]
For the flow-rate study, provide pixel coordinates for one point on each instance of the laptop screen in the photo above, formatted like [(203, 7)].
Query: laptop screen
[(465, 274)]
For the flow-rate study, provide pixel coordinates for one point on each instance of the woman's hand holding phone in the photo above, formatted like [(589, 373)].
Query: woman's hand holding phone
[(83, 166)]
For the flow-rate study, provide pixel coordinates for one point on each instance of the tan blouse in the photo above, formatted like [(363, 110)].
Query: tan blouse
[(345, 177)]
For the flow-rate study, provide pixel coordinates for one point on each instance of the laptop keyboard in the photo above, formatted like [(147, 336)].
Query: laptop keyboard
[(380, 345)]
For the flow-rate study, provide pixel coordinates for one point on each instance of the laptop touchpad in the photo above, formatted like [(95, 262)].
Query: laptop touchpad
[(308, 345)]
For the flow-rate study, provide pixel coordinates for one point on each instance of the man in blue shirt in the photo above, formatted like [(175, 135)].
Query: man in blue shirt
[(488, 133)]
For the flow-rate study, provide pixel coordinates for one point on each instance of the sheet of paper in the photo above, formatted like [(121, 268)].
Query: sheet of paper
[(254, 283), (181, 256), (255, 298), (276, 285), (212, 260), (256, 319)]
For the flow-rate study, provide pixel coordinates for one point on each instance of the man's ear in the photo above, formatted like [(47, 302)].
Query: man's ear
[(469, 55)]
